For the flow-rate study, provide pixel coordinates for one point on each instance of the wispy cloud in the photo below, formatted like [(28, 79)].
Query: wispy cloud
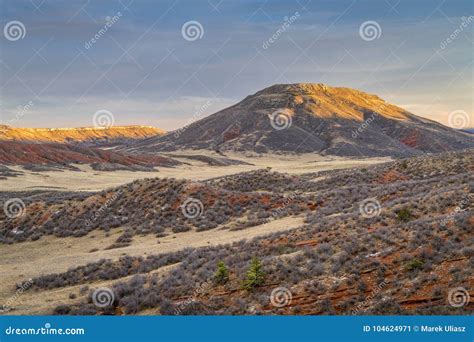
[(144, 70)]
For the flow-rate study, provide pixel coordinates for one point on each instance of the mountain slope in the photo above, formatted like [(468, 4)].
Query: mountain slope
[(90, 135), (313, 118)]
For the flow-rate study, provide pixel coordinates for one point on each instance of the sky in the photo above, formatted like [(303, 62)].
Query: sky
[(167, 63)]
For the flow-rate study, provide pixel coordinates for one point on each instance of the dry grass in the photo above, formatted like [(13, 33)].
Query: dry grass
[(91, 180), (41, 303), (53, 255)]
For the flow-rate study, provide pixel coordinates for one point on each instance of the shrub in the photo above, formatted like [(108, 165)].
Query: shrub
[(414, 264), (404, 215), (222, 273), (255, 275), (62, 310)]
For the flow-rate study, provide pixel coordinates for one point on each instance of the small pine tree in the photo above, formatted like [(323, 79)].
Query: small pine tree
[(222, 273), (404, 215), (255, 275)]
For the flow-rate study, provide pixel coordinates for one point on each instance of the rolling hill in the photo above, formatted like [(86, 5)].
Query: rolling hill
[(393, 238)]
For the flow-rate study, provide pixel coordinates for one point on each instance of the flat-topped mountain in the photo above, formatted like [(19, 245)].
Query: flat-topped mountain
[(306, 117), (89, 135)]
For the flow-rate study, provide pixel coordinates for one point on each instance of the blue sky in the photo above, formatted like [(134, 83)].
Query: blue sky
[(145, 72)]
